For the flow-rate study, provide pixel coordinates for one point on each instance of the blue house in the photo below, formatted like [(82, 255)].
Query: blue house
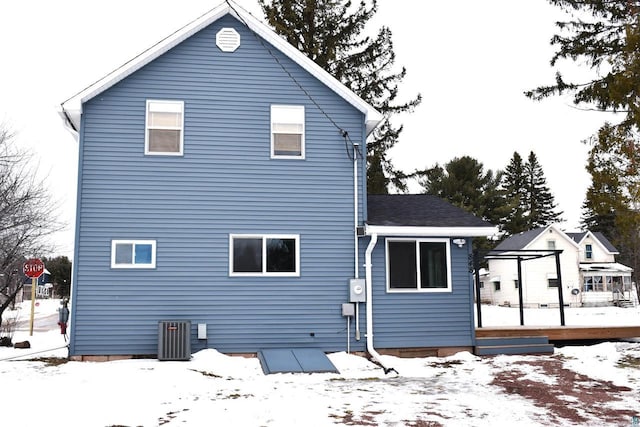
[(222, 181)]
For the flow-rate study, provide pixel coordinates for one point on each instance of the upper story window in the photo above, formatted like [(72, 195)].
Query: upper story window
[(264, 255), (164, 128), (287, 131), (551, 244), (133, 254), (418, 265), (588, 251)]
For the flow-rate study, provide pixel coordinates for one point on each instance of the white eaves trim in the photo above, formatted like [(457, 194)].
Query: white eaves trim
[(71, 109), (382, 230)]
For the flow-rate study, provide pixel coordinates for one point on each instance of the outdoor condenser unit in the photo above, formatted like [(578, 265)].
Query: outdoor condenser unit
[(174, 340)]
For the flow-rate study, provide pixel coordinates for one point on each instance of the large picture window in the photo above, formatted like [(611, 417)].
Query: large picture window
[(287, 131), (133, 254), (164, 127), (418, 265), (265, 255)]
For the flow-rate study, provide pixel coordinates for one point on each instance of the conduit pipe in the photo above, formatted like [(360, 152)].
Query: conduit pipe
[(369, 285)]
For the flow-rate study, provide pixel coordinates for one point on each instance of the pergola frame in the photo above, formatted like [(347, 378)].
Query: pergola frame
[(519, 255)]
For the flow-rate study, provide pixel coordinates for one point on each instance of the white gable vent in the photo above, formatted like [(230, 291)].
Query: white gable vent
[(228, 39)]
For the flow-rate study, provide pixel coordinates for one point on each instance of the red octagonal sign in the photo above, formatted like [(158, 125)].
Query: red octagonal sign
[(33, 268)]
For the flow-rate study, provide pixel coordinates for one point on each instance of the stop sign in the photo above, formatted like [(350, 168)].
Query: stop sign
[(33, 268)]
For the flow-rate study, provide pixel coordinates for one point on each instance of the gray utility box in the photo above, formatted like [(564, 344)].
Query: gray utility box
[(356, 290), (174, 340)]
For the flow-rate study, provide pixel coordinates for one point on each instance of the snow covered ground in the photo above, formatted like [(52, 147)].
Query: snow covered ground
[(588, 385)]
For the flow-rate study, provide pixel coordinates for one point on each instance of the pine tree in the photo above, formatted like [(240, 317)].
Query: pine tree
[(539, 201), (464, 183), (612, 201), (604, 36), (514, 184), (329, 33)]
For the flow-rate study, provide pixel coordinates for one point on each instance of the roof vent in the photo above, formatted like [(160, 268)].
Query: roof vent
[(228, 39)]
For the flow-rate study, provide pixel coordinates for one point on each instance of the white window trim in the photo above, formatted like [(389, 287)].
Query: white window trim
[(264, 238), (447, 243), (304, 128), (588, 254), (146, 129), (133, 242)]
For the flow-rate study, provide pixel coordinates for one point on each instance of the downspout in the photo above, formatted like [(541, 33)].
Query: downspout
[(369, 285), (355, 232)]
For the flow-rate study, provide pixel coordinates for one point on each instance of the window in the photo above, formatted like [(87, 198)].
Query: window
[(418, 265), (551, 244), (496, 286), (133, 254), (164, 128), (267, 255), (588, 251), (516, 283), (588, 284), (597, 284), (552, 283), (287, 131)]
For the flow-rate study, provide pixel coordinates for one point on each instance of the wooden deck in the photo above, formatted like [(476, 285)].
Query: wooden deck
[(561, 333)]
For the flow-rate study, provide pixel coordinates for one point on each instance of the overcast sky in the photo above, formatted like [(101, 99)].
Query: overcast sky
[(470, 60)]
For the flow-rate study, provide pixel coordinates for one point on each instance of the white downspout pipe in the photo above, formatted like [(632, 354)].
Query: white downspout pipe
[(369, 287), (355, 232)]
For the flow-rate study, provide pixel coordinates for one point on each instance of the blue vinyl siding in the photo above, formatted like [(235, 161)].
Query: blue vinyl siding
[(423, 319), (225, 183)]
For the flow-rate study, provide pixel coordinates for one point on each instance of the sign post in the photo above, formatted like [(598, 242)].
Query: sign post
[(33, 268)]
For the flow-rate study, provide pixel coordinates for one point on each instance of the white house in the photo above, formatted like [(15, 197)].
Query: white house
[(590, 275)]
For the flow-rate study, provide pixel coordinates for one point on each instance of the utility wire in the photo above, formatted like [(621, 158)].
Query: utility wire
[(343, 132)]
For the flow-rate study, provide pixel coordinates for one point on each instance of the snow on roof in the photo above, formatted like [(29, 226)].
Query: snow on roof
[(71, 109), (608, 267)]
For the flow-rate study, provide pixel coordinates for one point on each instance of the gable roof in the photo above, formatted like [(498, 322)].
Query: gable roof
[(71, 109), (424, 214), (521, 240), (605, 242), (596, 235)]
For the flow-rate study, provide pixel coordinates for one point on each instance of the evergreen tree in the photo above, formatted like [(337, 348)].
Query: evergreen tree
[(539, 202), (605, 36), (329, 33), (464, 183), (612, 204), (60, 269), (515, 188)]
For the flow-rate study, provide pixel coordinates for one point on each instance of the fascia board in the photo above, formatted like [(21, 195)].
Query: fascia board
[(430, 231)]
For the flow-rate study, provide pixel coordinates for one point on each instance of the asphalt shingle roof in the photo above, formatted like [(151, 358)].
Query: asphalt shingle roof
[(607, 244), (520, 240), (418, 210)]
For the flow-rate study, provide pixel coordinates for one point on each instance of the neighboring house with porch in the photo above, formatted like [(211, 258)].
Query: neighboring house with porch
[(590, 275), (222, 181)]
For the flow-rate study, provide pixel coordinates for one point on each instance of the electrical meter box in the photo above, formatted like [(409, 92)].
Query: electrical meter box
[(356, 290)]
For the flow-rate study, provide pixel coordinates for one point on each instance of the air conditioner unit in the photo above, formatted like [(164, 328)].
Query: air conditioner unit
[(174, 340)]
